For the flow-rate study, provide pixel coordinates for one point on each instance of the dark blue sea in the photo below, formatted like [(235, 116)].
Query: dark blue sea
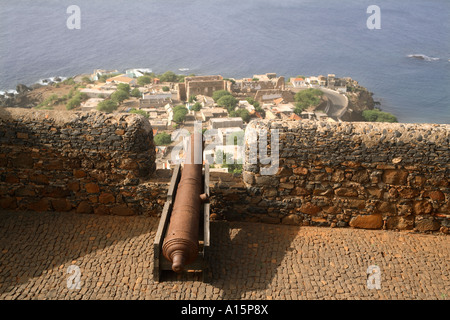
[(239, 38)]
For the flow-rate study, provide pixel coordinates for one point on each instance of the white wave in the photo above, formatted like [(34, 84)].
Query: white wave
[(47, 81), (8, 92), (422, 57)]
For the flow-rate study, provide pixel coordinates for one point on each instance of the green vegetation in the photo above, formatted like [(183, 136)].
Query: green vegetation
[(69, 81), (243, 113), (142, 81), (197, 106), (192, 99), (86, 80), (124, 87), (107, 106), (49, 102), (231, 80), (219, 94), (136, 93), (234, 167), (257, 106), (121, 94), (307, 98), (377, 115), (179, 114), (141, 112), (227, 101), (104, 77), (168, 76), (162, 139), (165, 89), (75, 99)]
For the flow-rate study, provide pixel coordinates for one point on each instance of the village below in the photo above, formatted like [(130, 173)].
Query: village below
[(172, 101)]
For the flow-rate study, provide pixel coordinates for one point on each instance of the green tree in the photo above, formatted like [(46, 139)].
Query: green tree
[(76, 99), (73, 103), (136, 93), (387, 117), (86, 80), (119, 96), (219, 94), (162, 139), (107, 106), (179, 117), (197, 106), (141, 112), (124, 87), (103, 78), (179, 114), (251, 101), (376, 115), (370, 115), (243, 113), (168, 76), (165, 89), (180, 107), (227, 101), (142, 81), (307, 98)]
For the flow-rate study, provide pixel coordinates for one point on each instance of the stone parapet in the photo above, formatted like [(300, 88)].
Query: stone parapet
[(88, 162), (367, 175)]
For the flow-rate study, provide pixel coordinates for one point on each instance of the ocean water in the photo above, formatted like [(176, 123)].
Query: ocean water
[(238, 39)]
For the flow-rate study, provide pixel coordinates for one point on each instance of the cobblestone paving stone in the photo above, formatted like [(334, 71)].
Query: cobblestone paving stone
[(248, 261)]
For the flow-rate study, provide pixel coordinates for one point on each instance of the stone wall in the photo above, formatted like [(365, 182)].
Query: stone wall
[(200, 85), (85, 162), (364, 175)]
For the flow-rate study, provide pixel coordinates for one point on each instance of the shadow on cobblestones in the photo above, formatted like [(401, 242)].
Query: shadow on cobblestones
[(245, 258), (45, 244)]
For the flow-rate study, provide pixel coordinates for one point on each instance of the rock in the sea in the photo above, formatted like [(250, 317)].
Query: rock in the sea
[(21, 88)]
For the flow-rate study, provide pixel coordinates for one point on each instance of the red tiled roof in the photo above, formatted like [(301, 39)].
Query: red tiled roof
[(278, 101)]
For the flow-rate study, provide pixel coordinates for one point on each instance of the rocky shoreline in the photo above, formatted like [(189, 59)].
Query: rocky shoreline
[(359, 100)]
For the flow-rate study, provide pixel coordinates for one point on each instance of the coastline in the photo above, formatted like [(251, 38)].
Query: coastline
[(358, 97)]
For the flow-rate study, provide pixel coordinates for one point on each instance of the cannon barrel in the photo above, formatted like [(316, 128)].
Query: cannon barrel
[(180, 245)]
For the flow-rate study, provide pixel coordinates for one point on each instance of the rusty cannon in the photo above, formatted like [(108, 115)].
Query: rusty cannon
[(182, 238)]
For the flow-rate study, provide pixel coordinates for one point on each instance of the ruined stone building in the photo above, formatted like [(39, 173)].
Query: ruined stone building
[(201, 85)]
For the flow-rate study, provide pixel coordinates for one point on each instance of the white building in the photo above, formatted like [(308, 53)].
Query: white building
[(298, 82), (312, 81), (99, 72), (218, 123), (136, 73)]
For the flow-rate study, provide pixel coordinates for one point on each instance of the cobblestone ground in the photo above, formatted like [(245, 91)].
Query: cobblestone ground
[(249, 261)]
